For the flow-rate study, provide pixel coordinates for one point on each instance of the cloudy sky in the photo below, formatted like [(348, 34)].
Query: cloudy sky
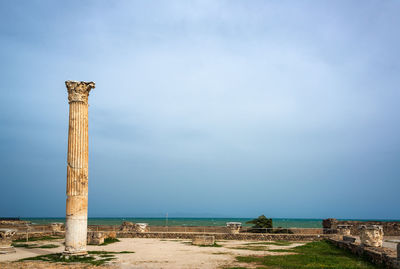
[(204, 108)]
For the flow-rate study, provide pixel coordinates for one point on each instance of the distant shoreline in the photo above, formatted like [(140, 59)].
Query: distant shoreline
[(196, 221)]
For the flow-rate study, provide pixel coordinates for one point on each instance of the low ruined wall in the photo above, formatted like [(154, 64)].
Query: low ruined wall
[(224, 236), (381, 256), (22, 235), (390, 228)]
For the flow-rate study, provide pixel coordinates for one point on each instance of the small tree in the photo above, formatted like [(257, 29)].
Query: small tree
[(260, 222)]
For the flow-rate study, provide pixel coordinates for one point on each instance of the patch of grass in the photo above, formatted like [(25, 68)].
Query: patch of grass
[(220, 253), (60, 258), (43, 238), (212, 246), (274, 243), (49, 246), (109, 240), (106, 255), (314, 255), (17, 245), (94, 257), (100, 252), (254, 248)]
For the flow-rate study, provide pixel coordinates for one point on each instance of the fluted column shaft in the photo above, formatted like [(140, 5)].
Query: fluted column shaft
[(77, 167)]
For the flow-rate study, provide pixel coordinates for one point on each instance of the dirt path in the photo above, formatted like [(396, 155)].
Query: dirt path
[(157, 253)]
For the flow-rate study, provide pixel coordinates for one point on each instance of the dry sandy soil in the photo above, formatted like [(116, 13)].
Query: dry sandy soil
[(151, 253)]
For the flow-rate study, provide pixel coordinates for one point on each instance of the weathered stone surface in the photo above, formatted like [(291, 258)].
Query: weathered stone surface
[(329, 225), (6, 236), (371, 235), (141, 227), (111, 234), (77, 168), (384, 257), (5, 222), (57, 226), (398, 251), (233, 227), (343, 229), (128, 226), (349, 239), (225, 236), (95, 238), (203, 240), (390, 228)]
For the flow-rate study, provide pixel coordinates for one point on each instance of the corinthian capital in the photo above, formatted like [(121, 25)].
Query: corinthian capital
[(78, 91)]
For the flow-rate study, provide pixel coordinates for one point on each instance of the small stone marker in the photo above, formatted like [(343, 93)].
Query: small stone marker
[(234, 227), (203, 240), (95, 238), (6, 240), (371, 235)]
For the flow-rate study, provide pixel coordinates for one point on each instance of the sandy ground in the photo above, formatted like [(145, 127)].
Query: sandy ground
[(153, 253)]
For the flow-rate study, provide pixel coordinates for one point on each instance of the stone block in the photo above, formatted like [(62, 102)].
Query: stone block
[(127, 226), (111, 235), (6, 236), (329, 225), (233, 227), (95, 238), (349, 239), (57, 226), (343, 229), (204, 240), (371, 235), (141, 227)]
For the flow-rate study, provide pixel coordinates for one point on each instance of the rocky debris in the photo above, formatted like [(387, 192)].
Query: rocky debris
[(57, 226), (6, 236), (343, 229), (128, 226), (349, 239), (95, 238), (371, 235)]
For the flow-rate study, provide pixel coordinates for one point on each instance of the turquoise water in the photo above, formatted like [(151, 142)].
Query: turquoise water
[(277, 222), (286, 223)]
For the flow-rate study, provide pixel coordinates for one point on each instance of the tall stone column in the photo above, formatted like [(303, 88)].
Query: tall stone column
[(77, 168)]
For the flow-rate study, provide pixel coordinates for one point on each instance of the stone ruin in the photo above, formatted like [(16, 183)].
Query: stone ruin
[(141, 227), (344, 229), (57, 227), (203, 240), (95, 238), (371, 235), (329, 225), (128, 226), (6, 236), (398, 252), (233, 227)]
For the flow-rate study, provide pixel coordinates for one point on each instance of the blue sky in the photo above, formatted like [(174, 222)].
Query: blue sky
[(205, 108)]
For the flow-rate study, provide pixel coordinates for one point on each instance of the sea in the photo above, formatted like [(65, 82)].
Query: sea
[(277, 222)]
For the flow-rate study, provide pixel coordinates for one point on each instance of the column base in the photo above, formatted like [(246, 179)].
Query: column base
[(67, 254)]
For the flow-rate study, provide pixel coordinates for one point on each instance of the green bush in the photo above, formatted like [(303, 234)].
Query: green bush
[(262, 224)]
